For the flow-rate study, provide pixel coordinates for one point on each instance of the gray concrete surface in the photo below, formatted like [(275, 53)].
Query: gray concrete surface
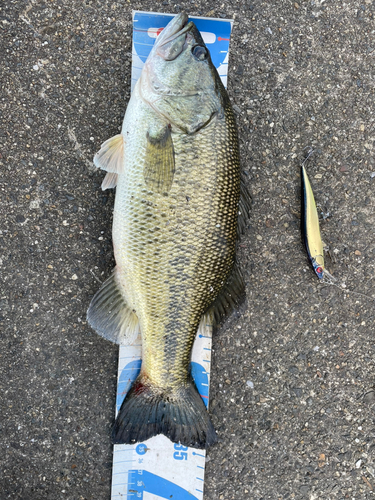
[(293, 375)]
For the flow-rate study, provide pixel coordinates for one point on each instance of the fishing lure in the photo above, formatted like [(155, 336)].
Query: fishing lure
[(310, 229)]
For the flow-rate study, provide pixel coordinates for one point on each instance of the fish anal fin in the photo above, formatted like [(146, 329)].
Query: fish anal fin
[(109, 181), (110, 157), (231, 297), (159, 162), (244, 208), (110, 316)]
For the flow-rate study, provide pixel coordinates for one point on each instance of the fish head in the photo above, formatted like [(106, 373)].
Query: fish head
[(179, 80)]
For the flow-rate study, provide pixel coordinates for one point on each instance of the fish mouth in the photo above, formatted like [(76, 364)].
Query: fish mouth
[(177, 27)]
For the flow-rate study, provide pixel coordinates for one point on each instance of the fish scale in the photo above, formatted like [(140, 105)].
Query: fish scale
[(179, 272)]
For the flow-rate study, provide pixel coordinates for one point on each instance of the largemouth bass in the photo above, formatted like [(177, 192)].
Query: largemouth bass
[(176, 169)]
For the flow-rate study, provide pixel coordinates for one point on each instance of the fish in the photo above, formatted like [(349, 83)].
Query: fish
[(181, 203), (310, 229)]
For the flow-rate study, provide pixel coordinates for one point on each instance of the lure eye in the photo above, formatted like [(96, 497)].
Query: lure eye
[(200, 53), (319, 270)]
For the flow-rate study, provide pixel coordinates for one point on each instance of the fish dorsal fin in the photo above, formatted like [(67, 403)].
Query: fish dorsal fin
[(231, 296), (159, 161), (109, 181), (110, 316), (244, 208), (110, 157)]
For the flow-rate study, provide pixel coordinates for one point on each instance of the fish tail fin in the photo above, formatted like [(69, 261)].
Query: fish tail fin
[(148, 411)]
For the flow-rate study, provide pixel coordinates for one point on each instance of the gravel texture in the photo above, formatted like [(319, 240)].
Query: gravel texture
[(292, 385)]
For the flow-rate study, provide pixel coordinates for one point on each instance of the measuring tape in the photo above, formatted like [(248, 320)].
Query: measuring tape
[(158, 468)]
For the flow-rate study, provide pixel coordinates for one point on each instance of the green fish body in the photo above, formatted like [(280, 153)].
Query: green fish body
[(178, 187)]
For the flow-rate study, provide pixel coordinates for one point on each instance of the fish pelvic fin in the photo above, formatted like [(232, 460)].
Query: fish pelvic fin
[(109, 181), (148, 411), (110, 316), (110, 157)]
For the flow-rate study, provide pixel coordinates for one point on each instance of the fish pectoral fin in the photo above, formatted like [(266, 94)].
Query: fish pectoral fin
[(159, 160), (244, 208), (110, 157), (231, 296), (109, 181), (110, 316)]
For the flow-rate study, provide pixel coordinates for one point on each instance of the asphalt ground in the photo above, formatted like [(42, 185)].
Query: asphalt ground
[(292, 387)]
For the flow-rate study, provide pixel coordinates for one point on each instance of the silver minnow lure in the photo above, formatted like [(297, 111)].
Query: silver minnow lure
[(310, 228)]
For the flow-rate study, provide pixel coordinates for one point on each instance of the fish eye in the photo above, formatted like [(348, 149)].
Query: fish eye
[(200, 53)]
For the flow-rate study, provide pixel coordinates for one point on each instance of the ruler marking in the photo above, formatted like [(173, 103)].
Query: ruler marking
[(145, 44)]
